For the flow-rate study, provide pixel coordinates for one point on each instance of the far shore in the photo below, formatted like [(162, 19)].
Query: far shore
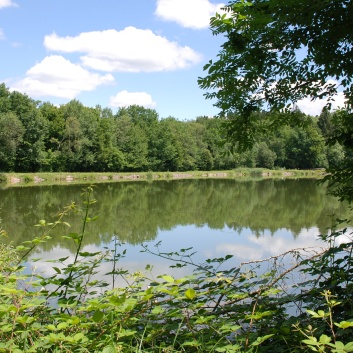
[(57, 178)]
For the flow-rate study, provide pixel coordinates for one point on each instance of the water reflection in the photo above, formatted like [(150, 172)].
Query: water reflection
[(250, 219)]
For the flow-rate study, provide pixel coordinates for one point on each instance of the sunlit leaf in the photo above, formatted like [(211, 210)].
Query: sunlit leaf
[(168, 279), (190, 293)]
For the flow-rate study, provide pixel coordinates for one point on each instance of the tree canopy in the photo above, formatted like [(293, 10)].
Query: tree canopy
[(38, 136), (276, 53)]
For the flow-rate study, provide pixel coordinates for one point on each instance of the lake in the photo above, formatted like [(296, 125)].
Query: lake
[(250, 219)]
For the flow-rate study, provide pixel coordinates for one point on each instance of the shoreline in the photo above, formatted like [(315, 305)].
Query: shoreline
[(65, 178)]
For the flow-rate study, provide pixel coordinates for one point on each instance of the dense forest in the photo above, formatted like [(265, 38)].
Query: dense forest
[(39, 136)]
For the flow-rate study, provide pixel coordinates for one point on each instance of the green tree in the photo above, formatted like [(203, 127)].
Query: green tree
[(276, 53), (219, 148), (335, 155), (11, 134), (31, 154), (304, 149), (72, 144), (168, 148), (55, 137), (5, 104), (109, 157), (133, 143), (147, 120), (259, 61), (265, 158), (199, 147), (325, 122), (88, 119)]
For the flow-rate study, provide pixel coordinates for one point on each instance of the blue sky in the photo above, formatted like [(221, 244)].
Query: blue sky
[(114, 53), (110, 52)]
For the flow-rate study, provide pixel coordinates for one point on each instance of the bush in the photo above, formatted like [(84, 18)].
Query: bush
[(217, 309)]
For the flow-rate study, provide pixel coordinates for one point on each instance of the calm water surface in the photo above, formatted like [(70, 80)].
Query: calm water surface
[(248, 219)]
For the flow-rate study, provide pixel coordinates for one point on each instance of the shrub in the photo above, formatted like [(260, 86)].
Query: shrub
[(217, 309)]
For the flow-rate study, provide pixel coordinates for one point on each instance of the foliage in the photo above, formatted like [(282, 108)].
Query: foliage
[(341, 172), (39, 137), (276, 53), (11, 135), (279, 52), (218, 309), (327, 343)]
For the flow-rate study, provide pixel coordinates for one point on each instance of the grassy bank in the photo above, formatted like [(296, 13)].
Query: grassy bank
[(21, 179)]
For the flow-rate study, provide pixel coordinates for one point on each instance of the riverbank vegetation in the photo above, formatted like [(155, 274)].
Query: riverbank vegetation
[(41, 137), (44, 178), (297, 301)]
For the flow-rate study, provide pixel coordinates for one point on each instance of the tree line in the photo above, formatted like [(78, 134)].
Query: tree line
[(39, 136)]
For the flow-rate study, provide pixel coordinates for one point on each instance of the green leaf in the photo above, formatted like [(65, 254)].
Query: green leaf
[(324, 339), (62, 326), (79, 336), (108, 349), (312, 341), (192, 343), (190, 293), (157, 310), (344, 324), (117, 300), (168, 279), (98, 316), (321, 313), (62, 259), (57, 270), (262, 339), (349, 347), (230, 348)]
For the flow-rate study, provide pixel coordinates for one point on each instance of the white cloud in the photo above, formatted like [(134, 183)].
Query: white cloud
[(2, 35), (57, 76), (6, 3), (130, 50), (307, 105), (260, 248), (193, 14), (125, 98), (313, 108)]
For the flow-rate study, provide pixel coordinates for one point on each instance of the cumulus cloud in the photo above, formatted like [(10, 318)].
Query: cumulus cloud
[(193, 14), (6, 3), (260, 247), (125, 98), (314, 108), (129, 50), (57, 76), (309, 106)]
